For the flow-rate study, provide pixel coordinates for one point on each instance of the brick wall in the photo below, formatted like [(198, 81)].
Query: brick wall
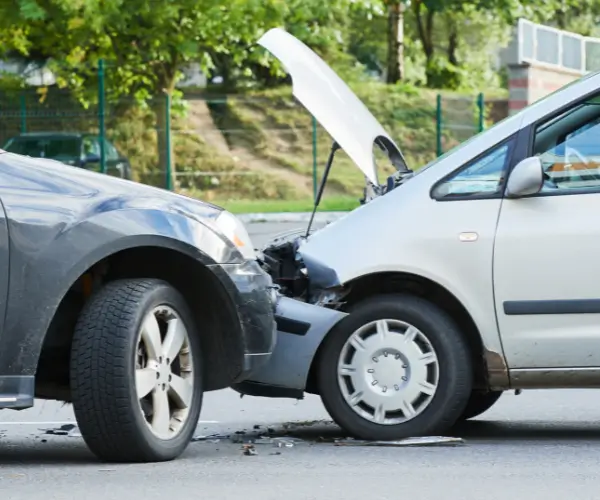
[(529, 82)]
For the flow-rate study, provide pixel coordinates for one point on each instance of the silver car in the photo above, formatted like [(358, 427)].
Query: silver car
[(477, 274)]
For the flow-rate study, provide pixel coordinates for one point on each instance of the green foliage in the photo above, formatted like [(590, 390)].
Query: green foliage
[(443, 74), (448, 44)]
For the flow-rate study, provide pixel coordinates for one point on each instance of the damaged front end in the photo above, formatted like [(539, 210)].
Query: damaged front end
[(353, 129), (301, 277), (312, 296)]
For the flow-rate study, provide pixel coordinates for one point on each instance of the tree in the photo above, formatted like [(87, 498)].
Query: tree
[(445, 24), (395, 40)]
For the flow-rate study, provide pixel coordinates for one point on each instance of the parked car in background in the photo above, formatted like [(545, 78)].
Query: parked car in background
[(454, 283), (77, 149), (125, 300)]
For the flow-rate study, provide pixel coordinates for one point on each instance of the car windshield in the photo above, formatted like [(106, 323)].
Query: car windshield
[(56, 148)]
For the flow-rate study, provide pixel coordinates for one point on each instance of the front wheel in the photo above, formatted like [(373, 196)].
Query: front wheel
[(136, 372), (397, 366)]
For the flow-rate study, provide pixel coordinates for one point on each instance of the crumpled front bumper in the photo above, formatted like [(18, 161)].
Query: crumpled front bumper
[(255, 297), (302, 328)]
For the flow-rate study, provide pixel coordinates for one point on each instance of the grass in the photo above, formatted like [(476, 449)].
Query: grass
[(331, 204), (277, 130), (280, 130)]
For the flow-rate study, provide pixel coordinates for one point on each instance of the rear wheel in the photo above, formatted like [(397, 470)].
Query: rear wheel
[(396, 367), (136, 372), (479, 403)]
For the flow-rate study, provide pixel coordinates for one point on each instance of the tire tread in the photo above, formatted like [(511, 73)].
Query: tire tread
[(100, 370)]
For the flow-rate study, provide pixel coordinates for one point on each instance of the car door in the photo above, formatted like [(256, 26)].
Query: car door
[(547, 249)]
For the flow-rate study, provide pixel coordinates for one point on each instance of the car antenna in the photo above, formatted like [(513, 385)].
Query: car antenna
[(334, 147)]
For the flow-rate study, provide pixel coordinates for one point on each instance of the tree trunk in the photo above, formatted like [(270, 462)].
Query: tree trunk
[(425, 29), (452, 44), (395, 59)]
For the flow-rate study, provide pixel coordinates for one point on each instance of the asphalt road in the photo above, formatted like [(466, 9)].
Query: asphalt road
[(538, 445)]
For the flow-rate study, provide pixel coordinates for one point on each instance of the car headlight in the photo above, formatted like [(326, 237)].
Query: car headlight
[(235, 231)]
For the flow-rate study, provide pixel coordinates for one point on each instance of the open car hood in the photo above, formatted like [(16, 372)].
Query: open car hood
[(332, 103)]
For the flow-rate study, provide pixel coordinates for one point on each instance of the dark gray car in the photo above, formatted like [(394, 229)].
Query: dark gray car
[(72, 148), (125, 300)]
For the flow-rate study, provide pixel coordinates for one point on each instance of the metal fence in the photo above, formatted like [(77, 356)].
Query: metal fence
[(235, 146), (457, 119)]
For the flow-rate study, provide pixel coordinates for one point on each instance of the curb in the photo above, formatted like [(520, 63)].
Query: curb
[(320, 217)]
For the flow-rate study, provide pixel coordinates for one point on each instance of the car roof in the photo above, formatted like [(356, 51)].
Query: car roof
[(28, 135)]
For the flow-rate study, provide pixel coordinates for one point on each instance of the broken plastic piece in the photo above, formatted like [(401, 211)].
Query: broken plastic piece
[(211, 437), (249, 450), (416, 441)]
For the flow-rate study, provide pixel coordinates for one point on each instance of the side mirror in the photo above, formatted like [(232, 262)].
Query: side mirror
[(526, 178)]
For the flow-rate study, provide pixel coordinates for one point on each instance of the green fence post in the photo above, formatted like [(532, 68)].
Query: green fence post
[(438, 125), (101, 116), (314, 152), (481, 107), (23, 114), (167, 125)]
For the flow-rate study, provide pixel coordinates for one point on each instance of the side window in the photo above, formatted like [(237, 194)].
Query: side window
[(569, 147), (91, 146), (482, 178), (111, 151)]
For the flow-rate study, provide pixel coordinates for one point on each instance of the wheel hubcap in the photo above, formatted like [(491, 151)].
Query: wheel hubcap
[(388, 372), (164, 372)]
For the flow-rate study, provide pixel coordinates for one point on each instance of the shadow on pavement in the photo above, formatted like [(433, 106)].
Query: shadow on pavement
[(21, 452), (482, 431), (539, 430)]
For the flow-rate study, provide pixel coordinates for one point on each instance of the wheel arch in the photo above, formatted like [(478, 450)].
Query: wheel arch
[(489, 366), (174, 261)]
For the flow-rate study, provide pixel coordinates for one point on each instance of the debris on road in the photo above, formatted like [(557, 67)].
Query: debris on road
[(306, 423), (250, 440), (279, 442), (56, 432), (417, 441), (213, 438), (249, 450), (63, 430)]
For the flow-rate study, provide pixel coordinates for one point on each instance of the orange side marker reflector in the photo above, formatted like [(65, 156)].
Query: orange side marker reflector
[(237, 241), (86, 281)]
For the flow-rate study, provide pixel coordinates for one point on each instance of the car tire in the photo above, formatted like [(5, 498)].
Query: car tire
[(416, 347), (120, 350), (479, 403)]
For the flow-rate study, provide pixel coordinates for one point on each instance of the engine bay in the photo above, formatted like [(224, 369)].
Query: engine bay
[(282, 262)]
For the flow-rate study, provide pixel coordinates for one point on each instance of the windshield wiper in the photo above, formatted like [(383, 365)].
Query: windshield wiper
[(334, 147)]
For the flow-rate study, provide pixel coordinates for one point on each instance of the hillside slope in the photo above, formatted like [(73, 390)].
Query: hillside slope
[(269, 133)]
